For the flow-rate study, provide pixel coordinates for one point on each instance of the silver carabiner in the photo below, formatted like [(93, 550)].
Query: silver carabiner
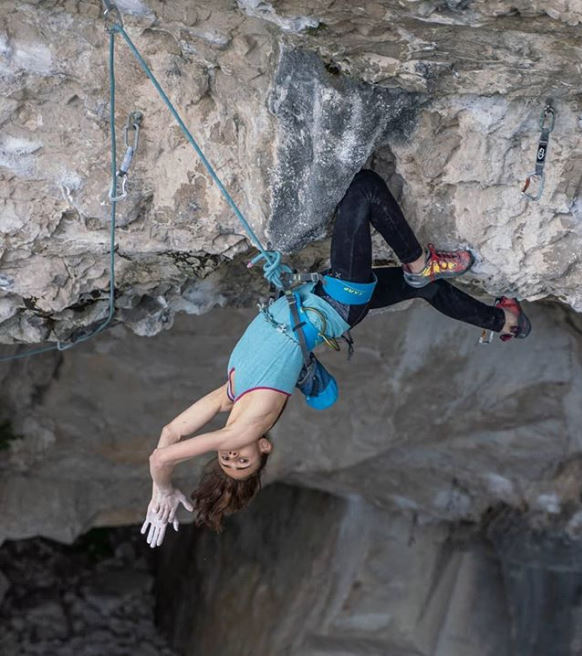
[(133, 123), (123, 180), (112, 17), (550, 112), (531, 177), (486, 337)]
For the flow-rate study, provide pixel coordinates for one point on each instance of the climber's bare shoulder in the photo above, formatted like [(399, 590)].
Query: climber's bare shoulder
[(259, 406)]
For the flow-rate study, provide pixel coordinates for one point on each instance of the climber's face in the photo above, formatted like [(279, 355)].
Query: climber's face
[(242, 463)]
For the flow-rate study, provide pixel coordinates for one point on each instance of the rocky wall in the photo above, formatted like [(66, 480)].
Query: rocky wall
[(542, 572), (92, 598), (305, 573), (288, 100)]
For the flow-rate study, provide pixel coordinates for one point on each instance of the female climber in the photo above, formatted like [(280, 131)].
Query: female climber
[(267, 361)]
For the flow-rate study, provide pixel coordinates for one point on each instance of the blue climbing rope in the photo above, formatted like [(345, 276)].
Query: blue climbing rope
[(272, 267), (61, 346)]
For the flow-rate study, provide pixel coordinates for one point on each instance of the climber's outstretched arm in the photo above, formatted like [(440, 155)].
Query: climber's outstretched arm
[(165, 497), (252, 419), (195, 417), (231, 437)]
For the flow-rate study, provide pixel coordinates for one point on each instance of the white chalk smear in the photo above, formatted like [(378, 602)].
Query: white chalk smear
[(265, 11)]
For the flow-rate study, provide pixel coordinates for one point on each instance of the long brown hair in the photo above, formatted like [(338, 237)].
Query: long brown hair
[(219, 495)]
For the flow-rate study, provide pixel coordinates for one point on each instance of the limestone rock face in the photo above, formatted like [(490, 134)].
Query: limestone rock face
[(364, 582), (329, 128), (288, 100)]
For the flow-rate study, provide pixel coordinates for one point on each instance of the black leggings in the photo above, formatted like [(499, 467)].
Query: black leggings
[(369, 201)]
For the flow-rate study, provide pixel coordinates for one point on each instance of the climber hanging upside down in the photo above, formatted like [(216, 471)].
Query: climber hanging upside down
[(267, 361)]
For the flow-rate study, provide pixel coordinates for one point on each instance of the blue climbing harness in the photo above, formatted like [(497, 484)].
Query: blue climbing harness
[(349, 293), (315, 382)]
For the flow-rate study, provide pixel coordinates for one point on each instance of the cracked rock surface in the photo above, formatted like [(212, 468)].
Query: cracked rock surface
[(288, 100)]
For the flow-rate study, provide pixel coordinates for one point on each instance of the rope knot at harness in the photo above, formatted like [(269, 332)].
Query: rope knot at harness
[(273, 270)]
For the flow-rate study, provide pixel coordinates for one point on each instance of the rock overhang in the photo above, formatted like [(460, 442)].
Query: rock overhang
[(452, 90)]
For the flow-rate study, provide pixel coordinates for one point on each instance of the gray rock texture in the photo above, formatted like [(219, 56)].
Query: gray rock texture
[(542, 564), (288, 101), (4, 586), (329, 126), (363, 582)]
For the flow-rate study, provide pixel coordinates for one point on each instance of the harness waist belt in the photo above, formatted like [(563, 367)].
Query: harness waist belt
[(349, 293)]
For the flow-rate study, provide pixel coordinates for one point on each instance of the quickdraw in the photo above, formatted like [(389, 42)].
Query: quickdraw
[(112, 19), (133, 124), (547, 120), (486, 337)]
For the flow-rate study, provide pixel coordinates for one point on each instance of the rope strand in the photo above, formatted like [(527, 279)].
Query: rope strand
[(272, 268)]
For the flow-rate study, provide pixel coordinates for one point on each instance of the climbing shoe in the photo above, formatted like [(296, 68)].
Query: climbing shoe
[(523, 327), (439, 264)]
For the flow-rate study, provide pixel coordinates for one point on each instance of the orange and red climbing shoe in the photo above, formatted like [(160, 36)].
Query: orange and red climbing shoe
[(439, 264), (523, 326)]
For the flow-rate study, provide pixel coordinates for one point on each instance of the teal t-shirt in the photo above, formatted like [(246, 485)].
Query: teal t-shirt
[(268, 355)]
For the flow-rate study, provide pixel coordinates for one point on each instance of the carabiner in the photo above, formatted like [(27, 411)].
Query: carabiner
[(133, 123), (531, 177), (112, 17), (548, 111), (122, 178), (486, 337), (329, 341)]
